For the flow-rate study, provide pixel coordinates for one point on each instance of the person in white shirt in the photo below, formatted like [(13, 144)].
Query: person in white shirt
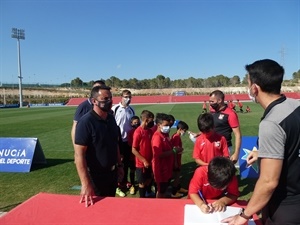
[(123, 113)]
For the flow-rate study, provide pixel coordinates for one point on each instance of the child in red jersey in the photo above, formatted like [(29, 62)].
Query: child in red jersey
[(135, 123), (231, 105), (248, 109), (240, 104), (215, 181), (162, 150), (208, 144), (141, 148), (177, 190)]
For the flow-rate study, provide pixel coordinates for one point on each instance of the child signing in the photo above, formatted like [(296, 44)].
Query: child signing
[(216, 181)]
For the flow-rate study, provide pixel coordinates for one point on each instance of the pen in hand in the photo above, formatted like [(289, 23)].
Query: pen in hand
[(205, 202)]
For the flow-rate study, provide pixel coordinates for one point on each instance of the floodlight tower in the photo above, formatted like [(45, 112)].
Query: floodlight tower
[(19, 34)]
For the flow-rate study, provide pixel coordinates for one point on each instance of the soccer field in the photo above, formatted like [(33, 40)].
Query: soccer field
[(52, 126)]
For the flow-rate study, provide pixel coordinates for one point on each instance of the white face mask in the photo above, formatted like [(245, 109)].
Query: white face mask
[(252, 98), (127, 101), (165, 129)]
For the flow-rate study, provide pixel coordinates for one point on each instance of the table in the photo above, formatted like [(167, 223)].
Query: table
[(57, 209)]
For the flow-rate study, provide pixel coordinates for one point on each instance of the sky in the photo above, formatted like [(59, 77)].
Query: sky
[(98, 39)]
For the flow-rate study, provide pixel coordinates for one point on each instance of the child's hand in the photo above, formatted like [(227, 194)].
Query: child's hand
[(206, 208), (178, 149), (146, 164), (219, 206)]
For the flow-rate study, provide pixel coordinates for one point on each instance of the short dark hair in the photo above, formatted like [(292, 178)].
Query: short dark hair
[(126, 92), (267, 74), (101, 82), (219, 94), (182, 125), (171, 117), (205, 122), (134, 118), (96, 89), (160, 117), (145, 114), (221, 170)]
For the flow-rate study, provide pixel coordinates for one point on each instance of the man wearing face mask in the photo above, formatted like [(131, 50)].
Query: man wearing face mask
[(209, 144), (123, 113), (98, 160), (226, 121), (83, 108), (277, 190)]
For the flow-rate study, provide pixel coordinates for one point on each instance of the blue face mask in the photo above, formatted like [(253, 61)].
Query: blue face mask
[(165, 129)]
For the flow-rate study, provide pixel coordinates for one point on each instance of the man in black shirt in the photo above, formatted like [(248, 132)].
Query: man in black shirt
[(83, 108), (97, 154)]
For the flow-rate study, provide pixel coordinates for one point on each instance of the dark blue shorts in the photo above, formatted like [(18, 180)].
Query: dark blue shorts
[(143, 174)]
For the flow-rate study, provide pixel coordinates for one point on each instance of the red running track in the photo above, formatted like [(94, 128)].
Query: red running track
[(177, 99)]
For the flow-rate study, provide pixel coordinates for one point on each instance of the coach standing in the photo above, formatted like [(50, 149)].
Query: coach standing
[(226, 121), (97, 155)]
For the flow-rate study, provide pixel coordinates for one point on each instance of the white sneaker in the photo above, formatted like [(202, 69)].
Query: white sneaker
[(132, 190), (120, 192)]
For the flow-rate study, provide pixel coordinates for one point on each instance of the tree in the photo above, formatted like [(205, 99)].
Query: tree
[(134, 83), (114, 82), (296, 76), (160, 81), (245, 79), (77, 82), (190, 82), (235, 80)]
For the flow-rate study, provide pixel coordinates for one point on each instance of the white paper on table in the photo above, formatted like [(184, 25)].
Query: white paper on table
[(194, 216)]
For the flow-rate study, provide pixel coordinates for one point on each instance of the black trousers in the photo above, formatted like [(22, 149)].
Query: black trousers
[(105, 183), (125, 150), (281, 214)]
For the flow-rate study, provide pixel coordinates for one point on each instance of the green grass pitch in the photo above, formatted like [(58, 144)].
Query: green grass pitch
[(52, 126)]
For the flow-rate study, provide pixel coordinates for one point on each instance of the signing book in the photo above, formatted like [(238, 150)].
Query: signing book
[(194, 216)]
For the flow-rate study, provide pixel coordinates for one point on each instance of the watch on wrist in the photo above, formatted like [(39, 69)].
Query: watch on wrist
[(242, 214)]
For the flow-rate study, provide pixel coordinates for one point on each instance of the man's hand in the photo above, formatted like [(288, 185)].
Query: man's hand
[(252, 157), (87, 193), (235, 220)]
